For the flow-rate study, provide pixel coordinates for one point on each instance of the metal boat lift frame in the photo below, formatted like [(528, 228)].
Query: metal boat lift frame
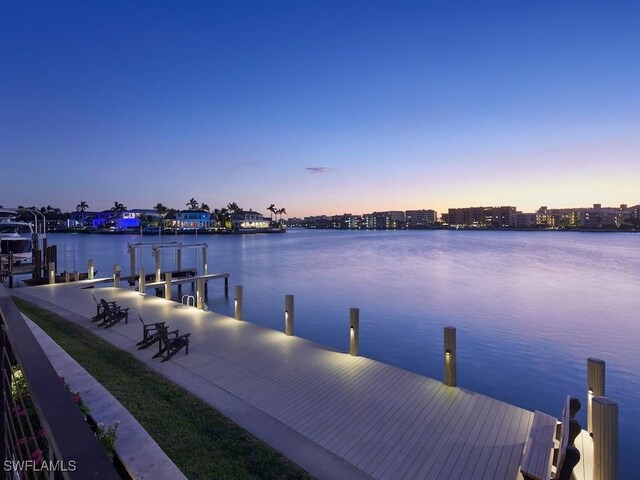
[(156, 249)]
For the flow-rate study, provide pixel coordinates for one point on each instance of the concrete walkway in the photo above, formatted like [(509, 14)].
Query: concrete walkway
[(338, 416)]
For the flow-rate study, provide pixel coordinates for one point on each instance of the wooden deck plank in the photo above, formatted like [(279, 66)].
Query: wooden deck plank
[(511, 463), (458, 450), (428, 393), (372, 413), (485, 466), (455, 416), (348, 409), (399, 454), (436, 457), (467, 448), (393, 414), (325, 403)]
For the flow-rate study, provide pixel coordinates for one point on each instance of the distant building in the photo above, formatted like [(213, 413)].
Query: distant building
[(482, 216), (248, 219), (384, 220), (193, 219), (524, 220), (595, 217), (117, 220), (420, 218)]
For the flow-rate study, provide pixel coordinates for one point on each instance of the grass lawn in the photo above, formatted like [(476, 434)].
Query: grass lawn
[(200, 441)]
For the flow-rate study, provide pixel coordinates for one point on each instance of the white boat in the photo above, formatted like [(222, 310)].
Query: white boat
[(15, 237)]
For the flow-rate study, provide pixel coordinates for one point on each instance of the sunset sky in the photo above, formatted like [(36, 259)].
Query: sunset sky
[(319, 107)]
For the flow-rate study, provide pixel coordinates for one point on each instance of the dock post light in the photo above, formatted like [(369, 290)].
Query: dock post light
[(52, 273), (116, 275), (288, 315), (91, 270), (142, 281), (238, 302), (167, 285), (354, 331), (450, 356)]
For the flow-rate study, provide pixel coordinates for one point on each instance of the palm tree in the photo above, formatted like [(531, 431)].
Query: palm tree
[(204, 207), (233, 207), (161, 209), (222, 215), (82, 206), (193, 204), (280, 211), (118, 207), (272, 209)]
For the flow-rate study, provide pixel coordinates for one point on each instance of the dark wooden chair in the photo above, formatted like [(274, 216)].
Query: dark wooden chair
[(113, 315), (150, 334), (100, 311), (168, 345)]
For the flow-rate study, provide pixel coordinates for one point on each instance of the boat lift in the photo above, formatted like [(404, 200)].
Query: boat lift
[(156, 249)]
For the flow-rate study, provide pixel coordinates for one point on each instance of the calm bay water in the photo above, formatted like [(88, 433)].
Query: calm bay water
[(529, 307)]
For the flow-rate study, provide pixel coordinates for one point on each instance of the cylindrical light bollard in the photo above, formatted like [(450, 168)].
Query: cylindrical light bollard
[(200, 293), (595, 386), (288, 315), (116, 275), (156, 255), (354, 331), (450, 356), (52, 273), (167, 285), (605, 439), (91, 270), (142, 281), (238, 302)]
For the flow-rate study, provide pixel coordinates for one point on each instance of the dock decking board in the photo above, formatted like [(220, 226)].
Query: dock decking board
[(387, 422)]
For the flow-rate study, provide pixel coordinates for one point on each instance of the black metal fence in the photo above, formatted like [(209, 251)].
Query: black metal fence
[(44, 434)]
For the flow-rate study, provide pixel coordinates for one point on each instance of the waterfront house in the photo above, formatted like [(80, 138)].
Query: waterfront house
[(126, 220), (193, 219), (244, 219)]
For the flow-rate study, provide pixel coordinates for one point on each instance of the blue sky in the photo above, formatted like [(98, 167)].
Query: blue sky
[(320, 107)]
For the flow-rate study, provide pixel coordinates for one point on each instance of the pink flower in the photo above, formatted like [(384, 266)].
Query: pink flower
[(62, 378), (42, 433), (23, 440), (75, 397), (19, 411), (37, 456)]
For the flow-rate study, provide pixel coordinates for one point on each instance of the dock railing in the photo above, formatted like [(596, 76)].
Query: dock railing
[(44, 434)]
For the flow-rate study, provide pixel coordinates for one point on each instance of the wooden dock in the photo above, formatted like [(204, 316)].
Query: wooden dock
[(375, 420)]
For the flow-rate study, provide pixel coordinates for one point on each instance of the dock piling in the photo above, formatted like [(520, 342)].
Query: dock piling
[(156, 255), (595, 386), (354, 331), (132, 266), (52, 273), (200, 294), (605, 439), (91, 269), (167, 286), (450, 356), (142, 280), (238, 302), (116, 275), (288, 315)]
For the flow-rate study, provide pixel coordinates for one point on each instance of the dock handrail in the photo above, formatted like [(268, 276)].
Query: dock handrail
[(73, 448)]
